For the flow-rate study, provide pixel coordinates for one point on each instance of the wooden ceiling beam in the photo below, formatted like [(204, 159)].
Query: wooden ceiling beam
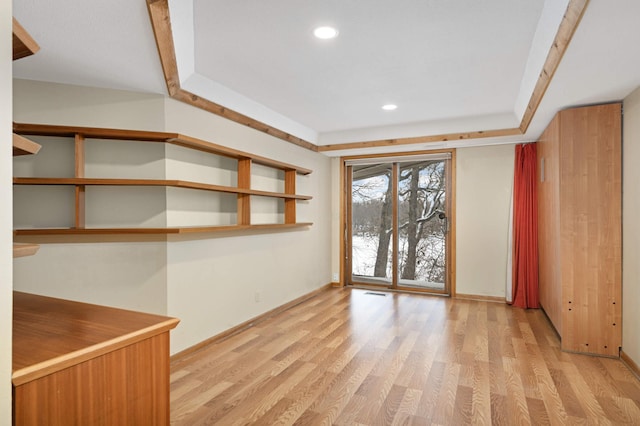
[(571, 19), (161, 22)]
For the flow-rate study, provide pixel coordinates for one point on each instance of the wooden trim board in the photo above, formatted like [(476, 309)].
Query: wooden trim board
[(23, 44), (481, 298), (480, 134), (570, 21), (630, 363), (249, 323), (161, 23)]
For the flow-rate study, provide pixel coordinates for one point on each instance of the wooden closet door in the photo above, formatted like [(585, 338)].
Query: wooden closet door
[(550, 289), (590, 228)]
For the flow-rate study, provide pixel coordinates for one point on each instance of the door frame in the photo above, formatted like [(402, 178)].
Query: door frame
[(345, 233)]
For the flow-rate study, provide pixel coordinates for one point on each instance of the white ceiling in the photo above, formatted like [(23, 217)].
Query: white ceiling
[(449, 65)]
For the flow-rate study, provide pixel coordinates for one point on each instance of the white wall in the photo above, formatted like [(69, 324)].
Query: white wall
[(213, 280), (483, 196), (6, 256), (631, 227), (208, 281), (127, 274), (62, 104)]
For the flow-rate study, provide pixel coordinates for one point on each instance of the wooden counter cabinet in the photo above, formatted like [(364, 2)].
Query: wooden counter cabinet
[(81, 364)]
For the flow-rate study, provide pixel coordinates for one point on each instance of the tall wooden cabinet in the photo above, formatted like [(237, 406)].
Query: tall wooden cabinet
[(579, 229)]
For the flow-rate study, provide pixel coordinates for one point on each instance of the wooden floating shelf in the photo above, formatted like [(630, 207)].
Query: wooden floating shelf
[(24, 146), (23, 44), (151, 231), (155, 182), (144, 136), (22, 250), (242, 190)]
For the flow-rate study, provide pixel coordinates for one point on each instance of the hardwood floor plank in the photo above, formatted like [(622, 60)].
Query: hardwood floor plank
[(569, 400), (527, 375), (588, 401), (499, 413), (389, 407), (195, 400), (408, 407), (254, 410), (431, 390), (481, 397), (443, 412), (462, 411), (304, 394), (347, 358), (516, 399), (537, 412)]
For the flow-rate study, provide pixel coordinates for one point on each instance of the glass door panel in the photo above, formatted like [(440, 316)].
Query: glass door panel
[(372, 224), (422, 225), (397, 227)]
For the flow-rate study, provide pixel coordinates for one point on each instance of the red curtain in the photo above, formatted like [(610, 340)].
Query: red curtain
[(525, 228)]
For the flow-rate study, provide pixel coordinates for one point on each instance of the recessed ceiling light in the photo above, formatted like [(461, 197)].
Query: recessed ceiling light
[(325, 33), (389, 107)]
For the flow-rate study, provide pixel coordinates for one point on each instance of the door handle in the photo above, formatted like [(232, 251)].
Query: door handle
[(444, 217)]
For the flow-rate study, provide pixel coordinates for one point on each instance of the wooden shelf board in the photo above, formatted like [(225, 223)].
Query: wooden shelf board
[(154, 182), (91, 132), (24, 146), (23, 44), (167, 231), (144, 136), (281, 225), (22, 250)]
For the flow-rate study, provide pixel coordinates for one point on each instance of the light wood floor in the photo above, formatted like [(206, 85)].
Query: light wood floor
[(349, 358)]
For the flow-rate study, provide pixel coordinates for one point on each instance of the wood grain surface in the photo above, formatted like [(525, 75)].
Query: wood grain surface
[(347, 357), (51, 334), (23, 44)]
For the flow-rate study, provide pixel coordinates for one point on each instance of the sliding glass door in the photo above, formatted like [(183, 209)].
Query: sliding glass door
[(398, 224)]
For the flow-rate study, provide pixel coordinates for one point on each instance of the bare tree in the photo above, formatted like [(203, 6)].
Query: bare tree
[(384, 234), (423, 197), (421, 193)]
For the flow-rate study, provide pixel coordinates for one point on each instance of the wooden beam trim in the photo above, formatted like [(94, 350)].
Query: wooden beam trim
[(217, 109), (421, 139), (161, 24), (571, 19)]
